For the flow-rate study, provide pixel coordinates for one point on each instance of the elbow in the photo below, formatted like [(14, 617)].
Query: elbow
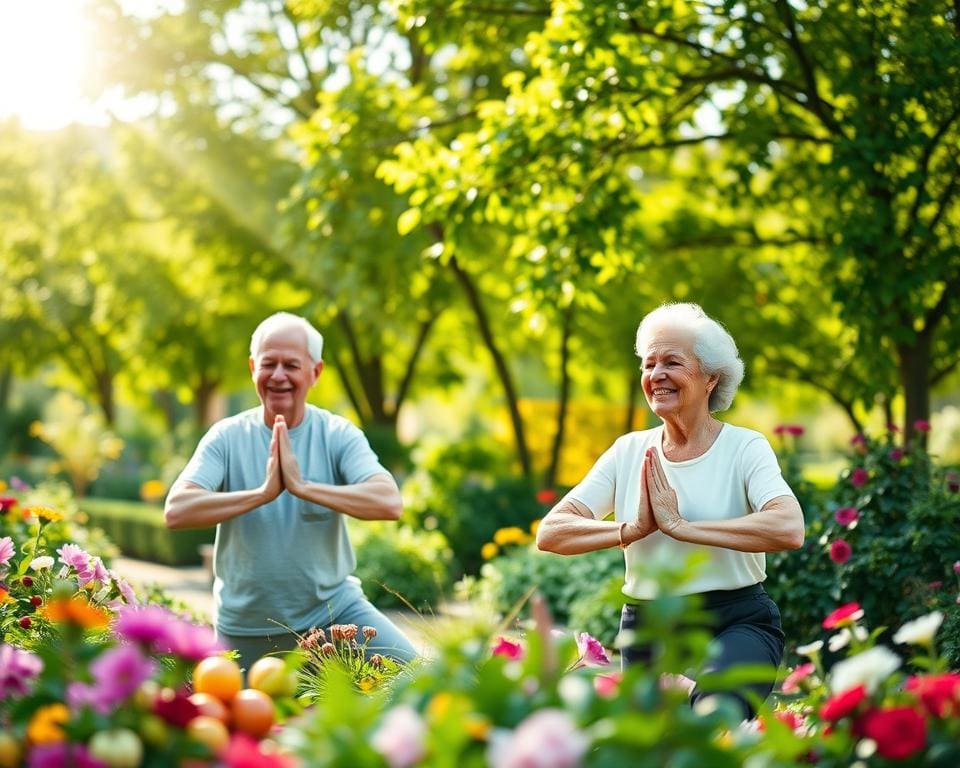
[(796, 537), (393, 509), (546, 541), (171, 519)]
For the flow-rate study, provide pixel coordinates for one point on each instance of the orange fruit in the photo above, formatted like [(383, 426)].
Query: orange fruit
[(211, 706), (210, 732), (252, 712), (218, 676), (270, 675)]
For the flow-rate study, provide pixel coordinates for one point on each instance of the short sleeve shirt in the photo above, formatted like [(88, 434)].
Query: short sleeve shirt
[(277, 565), (736, 476)]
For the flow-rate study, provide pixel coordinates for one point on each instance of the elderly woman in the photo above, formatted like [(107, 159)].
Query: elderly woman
[(694, 484)]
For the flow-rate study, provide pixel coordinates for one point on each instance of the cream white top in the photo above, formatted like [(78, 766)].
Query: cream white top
[(736, 476)]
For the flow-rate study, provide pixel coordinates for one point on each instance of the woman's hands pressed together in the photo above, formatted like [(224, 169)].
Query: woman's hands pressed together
[(662, 497)]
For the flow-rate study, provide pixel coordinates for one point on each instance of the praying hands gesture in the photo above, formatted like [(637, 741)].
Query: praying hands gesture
[(661, 496), (283, 470)]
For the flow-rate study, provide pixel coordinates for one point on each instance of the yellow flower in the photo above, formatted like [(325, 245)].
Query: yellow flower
[(511, 535), (152, 490), (534, 526), (489, 551), (44, 726), (477, 726), (367, 684), (44, 513), (3, 486), (439, 705)]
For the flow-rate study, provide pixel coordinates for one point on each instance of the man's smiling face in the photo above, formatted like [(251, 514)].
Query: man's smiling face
[(283, 374)]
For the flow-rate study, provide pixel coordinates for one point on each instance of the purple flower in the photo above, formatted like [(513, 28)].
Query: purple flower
[(18, 485), (895, 455), (859, 477), (147, 624), (592, 653), (17, 669), (119, 671), (549, 738), (62, 755), (6, 550), (190, 641), (846, 515)]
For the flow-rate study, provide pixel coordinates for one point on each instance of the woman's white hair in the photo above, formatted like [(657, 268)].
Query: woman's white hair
[(714, 347), (286, 320)]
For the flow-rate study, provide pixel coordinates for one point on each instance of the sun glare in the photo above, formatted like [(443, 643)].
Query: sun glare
[(43, 62)]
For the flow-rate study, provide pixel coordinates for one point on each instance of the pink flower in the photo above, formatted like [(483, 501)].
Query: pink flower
[(592, 653), (840, 551), (547, 496), (512, 651), (401, 737), (956, 567), (190, 641), (607, 685), (859, 477), (17, 669), (791, 682), (843, 703), (898, 731), (843, 616), (921, 425), (795, 429), (780, 429), (858, 439), (895, 455), (119, 671), (846, 515), (549, 738), (147, 624), (7, 503), (6, 550), (940, 694)]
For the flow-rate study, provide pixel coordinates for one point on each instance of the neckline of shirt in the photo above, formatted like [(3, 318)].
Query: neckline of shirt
[(695, 459)]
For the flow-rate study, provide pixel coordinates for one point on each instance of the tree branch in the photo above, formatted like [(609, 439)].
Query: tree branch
[(424, 331), (924, 165)]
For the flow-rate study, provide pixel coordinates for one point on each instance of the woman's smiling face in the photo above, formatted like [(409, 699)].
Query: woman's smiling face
[(673, 381)]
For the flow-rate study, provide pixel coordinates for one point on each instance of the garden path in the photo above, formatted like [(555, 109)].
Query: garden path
[(192, 586)]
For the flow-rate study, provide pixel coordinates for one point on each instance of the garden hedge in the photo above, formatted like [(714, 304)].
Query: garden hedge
[(138, 531)]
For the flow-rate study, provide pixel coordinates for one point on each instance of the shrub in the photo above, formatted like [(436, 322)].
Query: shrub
[(886, 536), (401, 567)]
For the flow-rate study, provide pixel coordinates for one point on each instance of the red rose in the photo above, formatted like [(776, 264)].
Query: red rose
[(843, 703), (898, 731), (845, 614), (547, 496), (859, 477), (840, 551), (939, 694)]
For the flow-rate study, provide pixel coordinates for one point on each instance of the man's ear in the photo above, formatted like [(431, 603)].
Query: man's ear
[(250, 364), (317, 370)]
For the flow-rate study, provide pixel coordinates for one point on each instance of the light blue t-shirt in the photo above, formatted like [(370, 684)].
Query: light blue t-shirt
[(278, 565)]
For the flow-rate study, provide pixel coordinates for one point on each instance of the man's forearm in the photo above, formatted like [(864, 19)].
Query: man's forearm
[(189, 506), (377, 498)]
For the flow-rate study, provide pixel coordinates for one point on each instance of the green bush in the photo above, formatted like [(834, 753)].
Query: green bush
[(572, 586), (138, 531), (903, 546), (401, 567)]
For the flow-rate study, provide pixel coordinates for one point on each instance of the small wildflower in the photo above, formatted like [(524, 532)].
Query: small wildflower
[(844, 615), (840, 551), (921, 425), (369, 633), (859, 477)]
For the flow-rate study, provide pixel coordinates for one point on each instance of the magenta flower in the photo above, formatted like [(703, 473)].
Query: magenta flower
[(7, 503), (119, 671), (401, 737), (592, 653), (607, 685), (74, 557), (62, 755), (846, 515), (17, 669), (795, 429), (512, 651), (190, 641), (953, 482), (244, 752), (858, 439), (146, 624), (895, 455), (6, 550), (840, 551), (859, 477), (549, 738), (921, 425), (126, 591), (956, 567)]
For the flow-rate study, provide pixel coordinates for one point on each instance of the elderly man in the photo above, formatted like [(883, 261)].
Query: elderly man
[(277, 481)]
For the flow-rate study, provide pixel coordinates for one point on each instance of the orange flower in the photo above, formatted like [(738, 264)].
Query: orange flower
[(44, 513), (77, 611), (44, 726)]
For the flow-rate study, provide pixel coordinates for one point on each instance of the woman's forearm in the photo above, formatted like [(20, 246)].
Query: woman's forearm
[(776, 527)]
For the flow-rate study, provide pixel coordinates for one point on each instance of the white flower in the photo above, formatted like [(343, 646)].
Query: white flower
[(811, 649), (919, 631), (401, 736), (41, 563), (839, 640), (868, 669), (549, 738)]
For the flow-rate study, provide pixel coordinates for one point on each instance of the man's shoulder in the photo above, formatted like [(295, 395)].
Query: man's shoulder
[(245, 421), (327, 419)]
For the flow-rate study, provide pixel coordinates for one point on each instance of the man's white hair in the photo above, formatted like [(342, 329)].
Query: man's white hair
[(713, 346), (286, 320)]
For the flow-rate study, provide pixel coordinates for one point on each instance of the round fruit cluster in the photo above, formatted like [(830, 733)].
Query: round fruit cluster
[(225, 705)]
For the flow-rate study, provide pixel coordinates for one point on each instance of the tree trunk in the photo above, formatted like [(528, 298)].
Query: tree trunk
[(564, 398), (914, 365), (499, 363), (104, 390), (202, 399), (6, 384)]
